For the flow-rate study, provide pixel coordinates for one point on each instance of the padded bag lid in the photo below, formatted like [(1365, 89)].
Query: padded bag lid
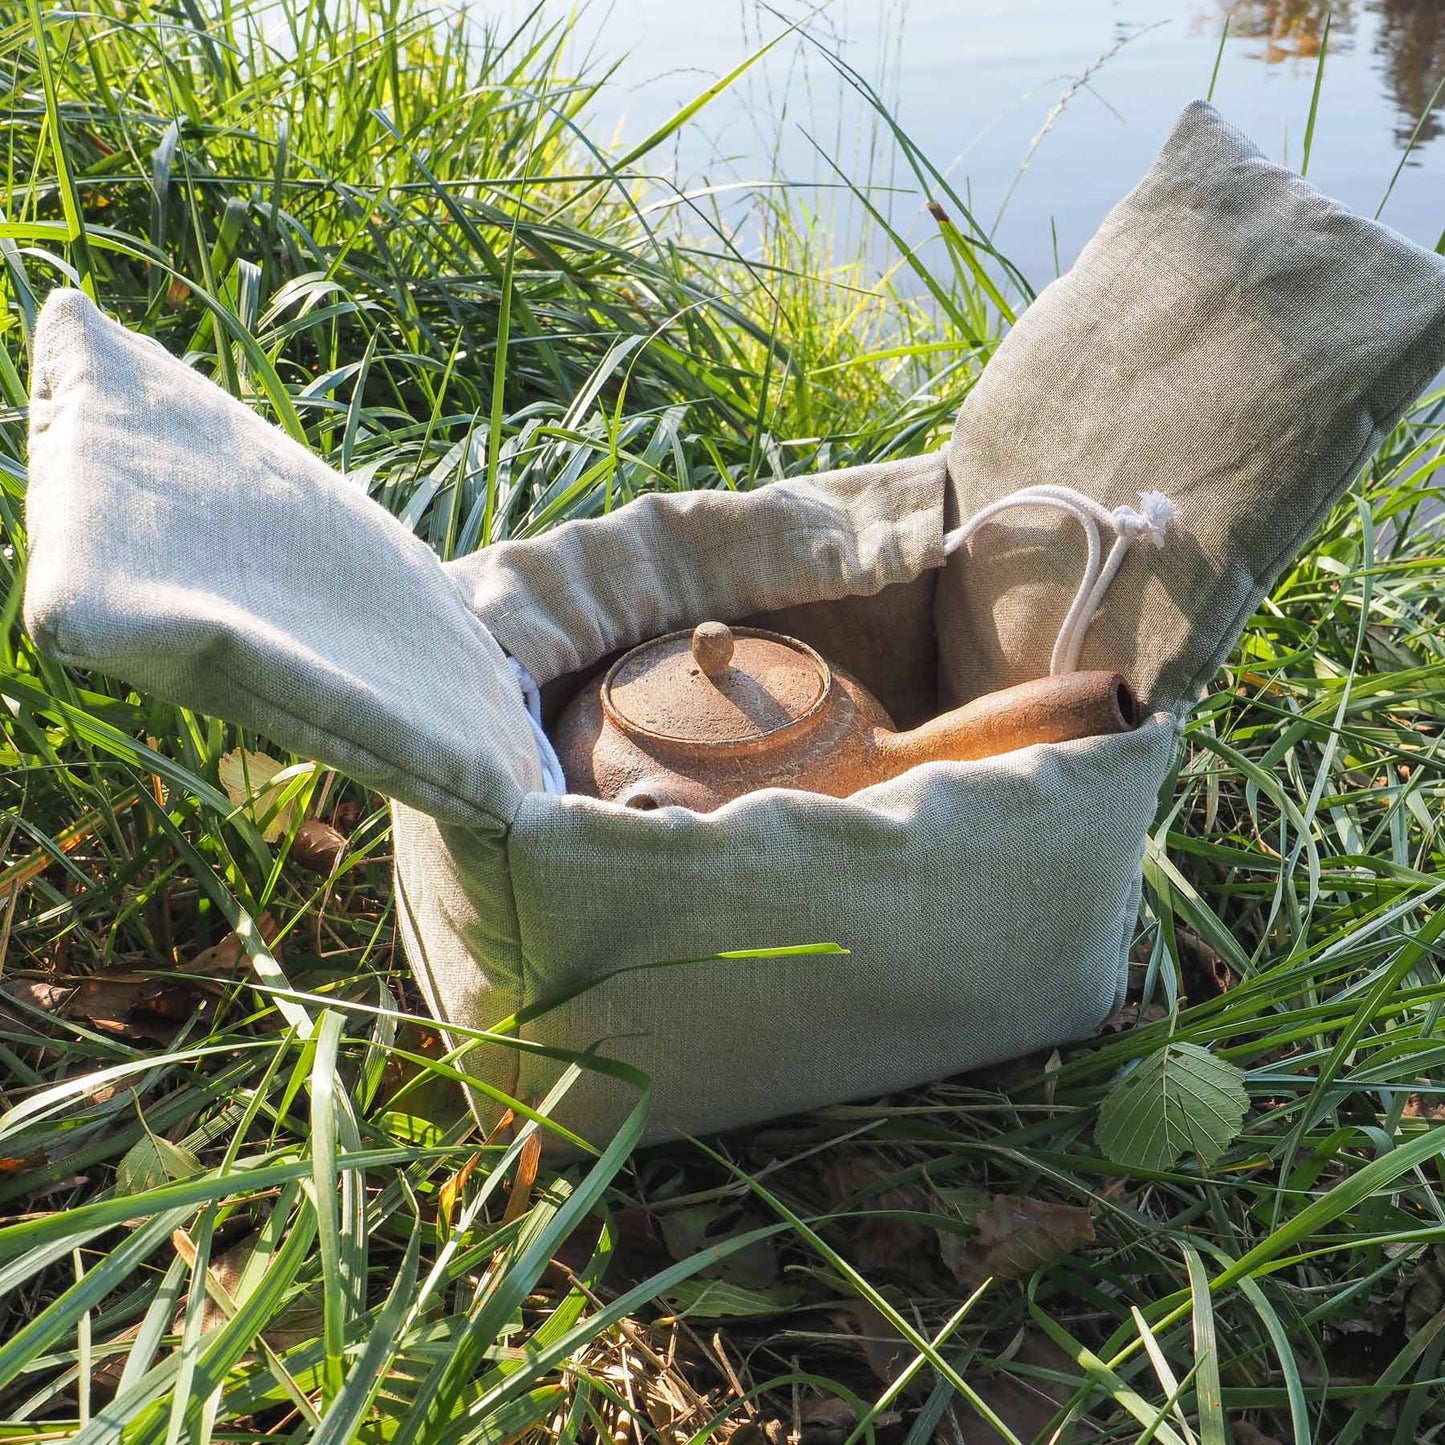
[(182, 543)]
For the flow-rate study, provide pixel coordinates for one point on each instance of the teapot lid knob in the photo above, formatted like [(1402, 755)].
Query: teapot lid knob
[(712, 647)]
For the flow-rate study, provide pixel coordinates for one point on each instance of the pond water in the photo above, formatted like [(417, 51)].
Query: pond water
[(976, 82)]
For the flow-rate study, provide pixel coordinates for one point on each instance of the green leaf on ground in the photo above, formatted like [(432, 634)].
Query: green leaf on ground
[(717, 1299), (1180, 1100), (151, 1162)]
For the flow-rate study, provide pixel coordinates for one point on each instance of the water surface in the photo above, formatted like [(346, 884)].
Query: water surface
[(976, 82)]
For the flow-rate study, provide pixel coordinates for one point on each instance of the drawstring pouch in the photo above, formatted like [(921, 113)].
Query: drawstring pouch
[(1230, 337)]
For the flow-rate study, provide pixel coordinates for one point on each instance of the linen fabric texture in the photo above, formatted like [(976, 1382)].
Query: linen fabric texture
[(1230, 337)]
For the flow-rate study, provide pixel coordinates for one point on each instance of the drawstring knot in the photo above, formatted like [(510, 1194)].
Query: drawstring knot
[(1150, 519)]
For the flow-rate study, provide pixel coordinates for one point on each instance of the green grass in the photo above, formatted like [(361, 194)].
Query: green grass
[(394, 238)]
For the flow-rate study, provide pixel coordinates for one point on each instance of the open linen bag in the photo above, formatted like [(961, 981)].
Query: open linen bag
[(1230, 337)]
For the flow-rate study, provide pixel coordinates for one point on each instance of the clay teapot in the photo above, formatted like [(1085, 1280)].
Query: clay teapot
[(700, 717)]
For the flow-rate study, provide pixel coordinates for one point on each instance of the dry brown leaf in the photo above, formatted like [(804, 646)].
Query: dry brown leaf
[(827, 1411), (56, 1186), (1205, 973), (827, 1420), (130, 1006), (297, 1323), (230, 953), (1425, 1292), (771, 1431), (450, 1191), (1247, 1434), (526, 1175), (1016, 1235), (317, 847), (879, 1245), (1131, 1016), (509, 1117), (135, 1006), (1024, 1405), (689, 1231), (1417, 1106), (886, 1351), (346, 817)]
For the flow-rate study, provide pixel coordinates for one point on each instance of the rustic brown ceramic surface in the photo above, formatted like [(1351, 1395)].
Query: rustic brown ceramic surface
[(699, 717)]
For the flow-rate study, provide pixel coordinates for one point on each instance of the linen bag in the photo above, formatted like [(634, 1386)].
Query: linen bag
[(1229, 337)]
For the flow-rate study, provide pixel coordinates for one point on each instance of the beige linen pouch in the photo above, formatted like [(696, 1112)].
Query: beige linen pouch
[(1230, 337)]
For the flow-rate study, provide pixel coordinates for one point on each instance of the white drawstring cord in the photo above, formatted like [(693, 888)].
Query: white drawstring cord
[(1150, 519), (552, 779)]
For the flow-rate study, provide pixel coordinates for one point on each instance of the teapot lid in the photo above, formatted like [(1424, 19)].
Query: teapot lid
[(717, 687)]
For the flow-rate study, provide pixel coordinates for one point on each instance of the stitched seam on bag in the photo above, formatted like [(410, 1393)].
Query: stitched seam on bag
[(524, 997), (430, 995)]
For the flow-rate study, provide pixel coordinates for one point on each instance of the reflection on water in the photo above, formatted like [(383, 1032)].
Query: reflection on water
[(1410, 41), (976, 83), (1288, 30), (1412, 44)]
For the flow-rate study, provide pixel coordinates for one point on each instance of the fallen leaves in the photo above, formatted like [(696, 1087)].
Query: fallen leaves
[(261, 784), (741, 1285), (249, 779), (1419, 1106), (1424, 1291), (1131, 1016), (1011, 1237), (152, 1162), (317, 847), (687, 1232), (1248, 1434), (826, 1419), (877, 1244), (230, 953), (1024, 1398), (1179, 1100), (296, 1323), (1016, 1236), (346, 817), (885, 1350), (140, 1008), (1024, 1403), (136, 1007), (818, 1420), (1204, 973)]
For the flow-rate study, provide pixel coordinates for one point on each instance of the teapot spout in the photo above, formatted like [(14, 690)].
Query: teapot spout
[(1046, 710)]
